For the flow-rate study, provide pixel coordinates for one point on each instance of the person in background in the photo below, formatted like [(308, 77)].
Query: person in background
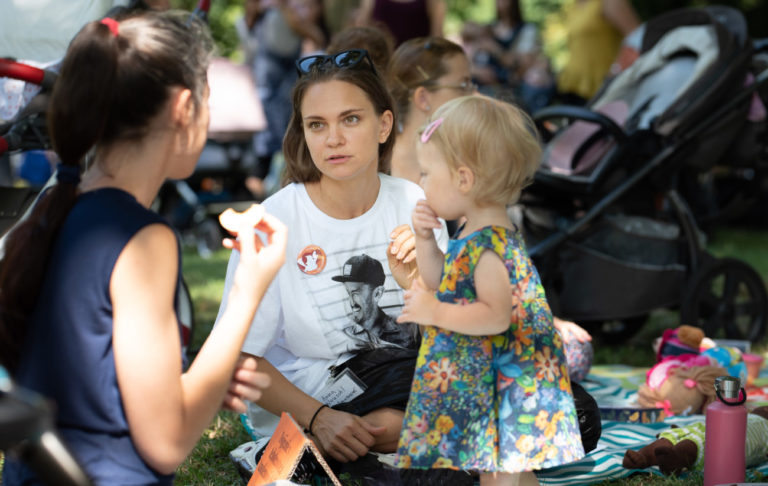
[(341, 206), (378, 43), (423, 74), (285, 29), (404, 19), (246, 30), (595, 31), (339, 15), (88, 283), (487, 362), (507, 58)]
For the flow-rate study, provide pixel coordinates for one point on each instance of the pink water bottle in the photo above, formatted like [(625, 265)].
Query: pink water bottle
[(726, 434)]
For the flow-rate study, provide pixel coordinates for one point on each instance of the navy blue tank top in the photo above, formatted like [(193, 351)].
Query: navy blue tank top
[(68, 355)]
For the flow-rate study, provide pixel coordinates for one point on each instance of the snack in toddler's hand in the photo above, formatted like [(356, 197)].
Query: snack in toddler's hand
[(231, 220)]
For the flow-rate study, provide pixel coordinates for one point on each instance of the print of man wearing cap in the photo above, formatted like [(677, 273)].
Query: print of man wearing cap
[(363, 277)]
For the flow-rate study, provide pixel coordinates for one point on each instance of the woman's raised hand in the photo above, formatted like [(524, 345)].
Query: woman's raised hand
[(247, 384), (401, 255), (260, 261)]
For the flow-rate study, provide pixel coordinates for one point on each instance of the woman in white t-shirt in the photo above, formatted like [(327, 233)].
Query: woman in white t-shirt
[(328, 314)]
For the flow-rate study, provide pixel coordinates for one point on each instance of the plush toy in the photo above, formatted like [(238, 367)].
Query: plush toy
[(682, 381), (682, 448), (681, 340), (684, 341), (678, 388), (729, 358)]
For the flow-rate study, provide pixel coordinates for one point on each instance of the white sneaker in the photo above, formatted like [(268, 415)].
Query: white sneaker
[(244, 457)]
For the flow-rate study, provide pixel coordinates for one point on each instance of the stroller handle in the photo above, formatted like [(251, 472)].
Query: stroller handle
[(12, 135), (24, 72), (581, 113)]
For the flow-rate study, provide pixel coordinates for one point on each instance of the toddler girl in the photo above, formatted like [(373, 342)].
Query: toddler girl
[(491, 391)]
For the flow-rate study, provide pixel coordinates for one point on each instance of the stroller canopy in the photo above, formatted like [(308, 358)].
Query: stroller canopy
[(690, 61)]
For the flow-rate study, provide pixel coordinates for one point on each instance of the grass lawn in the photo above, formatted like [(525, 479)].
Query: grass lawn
[(209, 463)]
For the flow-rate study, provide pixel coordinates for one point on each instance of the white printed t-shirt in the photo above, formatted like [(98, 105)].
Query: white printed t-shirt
[(302, 324)]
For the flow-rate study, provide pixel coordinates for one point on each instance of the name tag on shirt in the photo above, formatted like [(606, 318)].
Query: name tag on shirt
[(345, 386)]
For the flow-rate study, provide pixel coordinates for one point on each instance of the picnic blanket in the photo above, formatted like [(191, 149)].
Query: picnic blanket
[(615, 384), (610, 385)]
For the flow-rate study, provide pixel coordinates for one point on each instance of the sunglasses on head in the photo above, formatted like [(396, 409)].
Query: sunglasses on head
[(342, 60)]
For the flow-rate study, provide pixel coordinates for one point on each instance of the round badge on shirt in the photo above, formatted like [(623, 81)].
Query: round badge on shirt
[(311, 260)]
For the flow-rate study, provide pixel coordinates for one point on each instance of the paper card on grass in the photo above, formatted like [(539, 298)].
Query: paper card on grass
[(283, 453)]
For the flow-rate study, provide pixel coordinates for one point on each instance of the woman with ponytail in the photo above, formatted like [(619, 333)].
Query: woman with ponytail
[(88, 283)]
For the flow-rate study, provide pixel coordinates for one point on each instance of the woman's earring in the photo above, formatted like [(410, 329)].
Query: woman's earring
[(427, 108)]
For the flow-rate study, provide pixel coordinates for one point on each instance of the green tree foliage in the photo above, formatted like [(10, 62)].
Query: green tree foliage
[(462, 9), (222, 19), (537, 11)]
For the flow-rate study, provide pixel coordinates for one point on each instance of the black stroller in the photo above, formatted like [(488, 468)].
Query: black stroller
[(609, 219)]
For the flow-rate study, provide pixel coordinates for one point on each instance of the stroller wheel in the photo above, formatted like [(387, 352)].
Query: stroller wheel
[(726, 298)]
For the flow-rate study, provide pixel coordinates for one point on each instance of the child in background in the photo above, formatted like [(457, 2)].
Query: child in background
[(283, 30), (491, 392)]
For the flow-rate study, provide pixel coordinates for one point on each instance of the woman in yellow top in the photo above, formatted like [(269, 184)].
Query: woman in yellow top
[(595, 31)]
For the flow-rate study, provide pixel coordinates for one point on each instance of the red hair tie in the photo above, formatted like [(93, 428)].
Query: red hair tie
[(114, 25)]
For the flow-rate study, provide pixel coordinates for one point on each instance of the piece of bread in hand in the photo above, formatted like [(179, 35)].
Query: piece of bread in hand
[(231, 220)]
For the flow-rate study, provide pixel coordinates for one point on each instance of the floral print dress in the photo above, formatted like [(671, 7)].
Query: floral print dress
[(491, 403)]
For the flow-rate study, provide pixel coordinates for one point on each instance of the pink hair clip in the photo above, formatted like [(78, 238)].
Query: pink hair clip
[(114, 25), (430, 129)]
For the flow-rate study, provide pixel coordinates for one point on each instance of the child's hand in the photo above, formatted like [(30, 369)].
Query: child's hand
[(424, 220), (568, 328), (401, 255), (420, 304)]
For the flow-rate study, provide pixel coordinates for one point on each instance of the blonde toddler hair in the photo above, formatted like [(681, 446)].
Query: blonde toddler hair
[(496, 140)]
